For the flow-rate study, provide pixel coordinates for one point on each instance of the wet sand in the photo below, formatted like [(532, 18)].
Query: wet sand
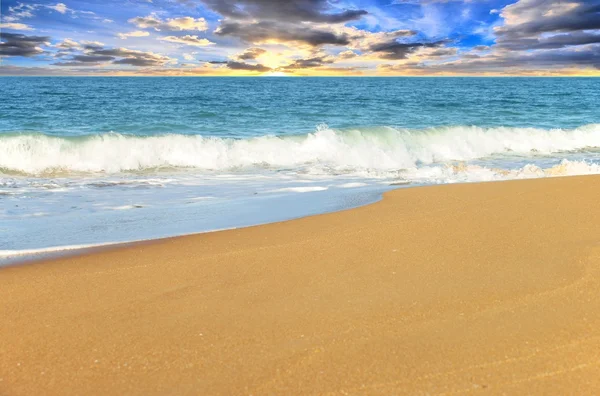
[(474, 288)]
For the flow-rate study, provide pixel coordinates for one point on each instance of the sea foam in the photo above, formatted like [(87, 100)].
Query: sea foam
[(326, 150)]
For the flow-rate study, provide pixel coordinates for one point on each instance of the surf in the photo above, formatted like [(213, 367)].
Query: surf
[(325, 150)]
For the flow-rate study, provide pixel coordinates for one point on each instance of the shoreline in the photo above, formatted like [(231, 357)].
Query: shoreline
[(33, 256), (473, 287)]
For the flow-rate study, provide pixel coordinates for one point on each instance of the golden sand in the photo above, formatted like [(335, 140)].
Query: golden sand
[(475, 288)]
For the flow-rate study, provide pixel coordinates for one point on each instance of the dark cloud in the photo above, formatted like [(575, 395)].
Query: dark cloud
[(256, 32), (443, 52), (92, 58), (542, 24), (95, 54), (550, 42), (120, 52), (12, 44), (251, 53), (420, 2), (543, 16), (309, 63), (85, 60), (92, 46), (131, 57), (297, 21), (509, 62), (247, 66), (141, 62), (395, 50), (319, 11), (73, 64), (10, 70)]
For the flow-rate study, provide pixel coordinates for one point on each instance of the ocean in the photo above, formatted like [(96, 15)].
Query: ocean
[(87, 161)]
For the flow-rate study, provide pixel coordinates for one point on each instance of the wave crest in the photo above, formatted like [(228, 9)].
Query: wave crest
[(380, 149)]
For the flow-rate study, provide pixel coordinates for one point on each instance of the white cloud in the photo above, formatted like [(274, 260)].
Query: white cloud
[(15, 26), (188, 40), (136, 33), (19, 11), (59, 7), (68, 44), (171, 24)]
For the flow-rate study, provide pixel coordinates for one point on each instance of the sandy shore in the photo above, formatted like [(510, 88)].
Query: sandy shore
[(477, 288)]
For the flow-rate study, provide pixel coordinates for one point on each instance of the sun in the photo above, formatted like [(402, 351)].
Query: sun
[(275, 74)]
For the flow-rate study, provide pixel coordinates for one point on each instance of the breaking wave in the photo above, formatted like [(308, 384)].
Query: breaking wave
[(332, 151), (461, 172)]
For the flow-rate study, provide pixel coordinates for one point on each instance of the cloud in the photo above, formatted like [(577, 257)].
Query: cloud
[(86, 60), (19, 12), (266, 31), (188, 40), (309, 63), (544, 61), (94, 54), (172, 24), (294, 22), (12, 44), (543, 34), (396, 50), (531, 24), (538, 16), (136, 33), (307, 37), (15, 26), (68, 45), (441, 52), (347, 54), (251, 53), (59, 7), (92, 58), (553, 41), (320, 11), (234, 65), (364, 39), (133, 57), (92, 45), (11, 70)]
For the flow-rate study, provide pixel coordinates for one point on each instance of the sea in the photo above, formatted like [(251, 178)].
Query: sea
[(89, 161)]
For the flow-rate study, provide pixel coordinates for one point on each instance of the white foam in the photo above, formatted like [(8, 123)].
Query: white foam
[(362, 152), (299, 189), (352, 185), (474, 173), (53, 249)]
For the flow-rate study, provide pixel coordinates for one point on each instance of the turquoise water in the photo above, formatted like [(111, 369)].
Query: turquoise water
[(90, 160), (246, 107)]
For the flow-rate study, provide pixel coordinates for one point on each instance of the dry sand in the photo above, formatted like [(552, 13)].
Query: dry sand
[(480, 288)]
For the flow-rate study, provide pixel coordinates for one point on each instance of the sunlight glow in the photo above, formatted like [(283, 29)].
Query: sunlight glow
[(275, 74)]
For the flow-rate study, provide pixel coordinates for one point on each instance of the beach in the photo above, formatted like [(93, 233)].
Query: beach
[(464, 288)]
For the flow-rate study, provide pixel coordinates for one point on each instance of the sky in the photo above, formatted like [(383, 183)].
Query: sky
[(300, 37)]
